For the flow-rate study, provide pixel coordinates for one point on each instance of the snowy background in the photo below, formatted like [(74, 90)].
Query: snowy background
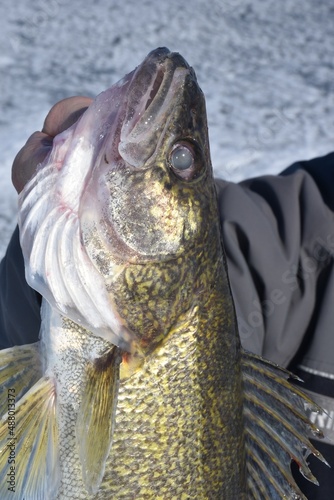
[(266, 68)]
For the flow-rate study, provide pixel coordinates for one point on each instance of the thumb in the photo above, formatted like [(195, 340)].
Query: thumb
[(61, 116)]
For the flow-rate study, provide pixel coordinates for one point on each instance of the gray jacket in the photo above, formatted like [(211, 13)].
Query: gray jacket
[(279, 238)]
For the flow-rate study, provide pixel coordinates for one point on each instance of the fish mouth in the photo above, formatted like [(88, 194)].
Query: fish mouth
[(150, 92), (150, 83)]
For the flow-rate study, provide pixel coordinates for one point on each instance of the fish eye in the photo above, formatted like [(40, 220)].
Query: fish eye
[(181, 158), (184, 160)]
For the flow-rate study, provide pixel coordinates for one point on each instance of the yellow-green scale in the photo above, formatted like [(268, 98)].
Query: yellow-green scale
[(179, 427)]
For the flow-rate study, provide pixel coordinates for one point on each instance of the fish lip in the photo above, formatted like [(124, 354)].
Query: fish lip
[(152, 91), (137, 107), (149, 85), (162, 54)]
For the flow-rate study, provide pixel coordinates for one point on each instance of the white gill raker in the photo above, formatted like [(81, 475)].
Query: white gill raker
[(53, 265), (102, 303), (71, 261), (33, 201), (40, 267)]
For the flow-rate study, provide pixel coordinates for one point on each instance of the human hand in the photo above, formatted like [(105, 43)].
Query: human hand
[(61, 116)]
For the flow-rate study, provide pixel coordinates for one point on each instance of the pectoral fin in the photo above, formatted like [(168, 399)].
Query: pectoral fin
[(96, 416), (29, 466), (277, 430), (20, 368)]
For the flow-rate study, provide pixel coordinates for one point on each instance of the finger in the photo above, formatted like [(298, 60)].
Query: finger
[(63, 114), (33, 152)]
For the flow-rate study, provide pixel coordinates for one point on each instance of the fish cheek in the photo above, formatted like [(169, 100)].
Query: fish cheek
[(145, 215)]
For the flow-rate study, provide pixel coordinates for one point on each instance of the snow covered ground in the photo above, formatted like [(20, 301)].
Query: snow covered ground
[(266, 68)]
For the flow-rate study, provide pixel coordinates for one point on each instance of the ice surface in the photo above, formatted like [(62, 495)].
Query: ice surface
[(266, 69)]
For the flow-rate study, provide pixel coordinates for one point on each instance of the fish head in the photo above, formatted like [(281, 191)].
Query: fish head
[(149, 208), (152, 165), (130, 189)]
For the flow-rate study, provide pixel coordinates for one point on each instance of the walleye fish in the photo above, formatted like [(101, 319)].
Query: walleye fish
[(138, 387)]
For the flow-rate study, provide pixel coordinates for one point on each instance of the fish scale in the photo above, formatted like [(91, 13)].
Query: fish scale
[(69, 347), (180, 420)]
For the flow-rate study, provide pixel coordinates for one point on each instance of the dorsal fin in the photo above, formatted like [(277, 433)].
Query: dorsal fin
[(277, 430)]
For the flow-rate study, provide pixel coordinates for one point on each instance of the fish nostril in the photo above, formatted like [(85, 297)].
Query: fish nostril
[(155, 87)]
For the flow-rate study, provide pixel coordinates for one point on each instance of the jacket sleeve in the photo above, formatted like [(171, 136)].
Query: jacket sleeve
[(19, 304), (278, 233)]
